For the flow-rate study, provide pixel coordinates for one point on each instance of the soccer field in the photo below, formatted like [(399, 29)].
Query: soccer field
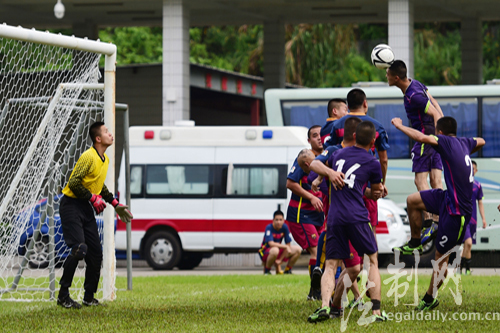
[(249, 303)]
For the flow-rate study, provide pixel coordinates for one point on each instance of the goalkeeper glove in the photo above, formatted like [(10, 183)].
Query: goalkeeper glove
[(122, 211), (97, 203)]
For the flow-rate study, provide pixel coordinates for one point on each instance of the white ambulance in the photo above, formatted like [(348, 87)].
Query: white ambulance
[(202, 190)]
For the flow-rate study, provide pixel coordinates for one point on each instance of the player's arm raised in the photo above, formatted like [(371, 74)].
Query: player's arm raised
[(435, 105), (479, 144), (413, 133), (298, 190), (434, 113)]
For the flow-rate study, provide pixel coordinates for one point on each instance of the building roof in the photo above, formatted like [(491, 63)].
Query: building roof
[(40, 13)]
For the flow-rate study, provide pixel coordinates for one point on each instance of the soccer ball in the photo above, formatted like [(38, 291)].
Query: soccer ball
[(382, 56)]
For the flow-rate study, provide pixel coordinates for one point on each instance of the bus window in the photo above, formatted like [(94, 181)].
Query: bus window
[(490, 125)]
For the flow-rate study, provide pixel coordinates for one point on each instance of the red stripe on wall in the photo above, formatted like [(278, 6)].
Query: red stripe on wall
[(213, 225), (198, 225)]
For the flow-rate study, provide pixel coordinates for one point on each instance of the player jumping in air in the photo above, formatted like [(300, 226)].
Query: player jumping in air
[(423, 112), (454, 206)]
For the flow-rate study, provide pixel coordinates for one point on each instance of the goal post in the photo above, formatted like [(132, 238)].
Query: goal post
[(49, 91)]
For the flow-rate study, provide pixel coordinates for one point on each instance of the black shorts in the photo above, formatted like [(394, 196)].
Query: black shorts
[(78, 222)]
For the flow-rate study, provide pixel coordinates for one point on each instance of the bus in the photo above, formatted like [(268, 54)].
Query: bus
[(476, 109)]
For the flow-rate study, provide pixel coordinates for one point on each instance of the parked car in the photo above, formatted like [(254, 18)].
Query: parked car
[(39, 258)]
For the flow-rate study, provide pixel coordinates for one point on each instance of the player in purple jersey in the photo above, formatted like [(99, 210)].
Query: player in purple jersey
[(470, 231), (352, 265), (454, 206), (358, 107), (337, 108), (272, 251), (423, 112), (349, 220)]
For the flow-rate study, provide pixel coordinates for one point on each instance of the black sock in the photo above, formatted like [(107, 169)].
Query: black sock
[(467, 264), (428, 298), (376, 304), (462, 264), (427, 223), (414, 242)]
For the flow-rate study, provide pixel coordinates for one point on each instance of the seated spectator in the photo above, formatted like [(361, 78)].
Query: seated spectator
[(272, 252)]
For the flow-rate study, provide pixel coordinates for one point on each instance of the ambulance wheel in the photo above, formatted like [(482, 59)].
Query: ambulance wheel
[(162, 250), (190, 260)]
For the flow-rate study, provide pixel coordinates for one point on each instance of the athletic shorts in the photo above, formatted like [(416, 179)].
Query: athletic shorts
[(264, 256), (424, 158), (371, 206), (305, 234), (78, 222), (470, 232), (354, 258), (451, 227), (360, 236)]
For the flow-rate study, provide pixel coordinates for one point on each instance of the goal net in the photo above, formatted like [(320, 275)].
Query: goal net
[(49, 96)]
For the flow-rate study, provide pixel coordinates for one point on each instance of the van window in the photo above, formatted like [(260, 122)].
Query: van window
[(135, 180), (178, 180), (254, 180)]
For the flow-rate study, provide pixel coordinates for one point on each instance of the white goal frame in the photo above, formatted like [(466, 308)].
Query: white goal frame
[(109, 51)]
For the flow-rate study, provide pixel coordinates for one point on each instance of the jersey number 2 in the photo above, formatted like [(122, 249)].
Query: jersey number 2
[(349, 175), (468, 162)]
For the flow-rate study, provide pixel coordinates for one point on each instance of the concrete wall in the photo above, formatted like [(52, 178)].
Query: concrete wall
[(141, 88)]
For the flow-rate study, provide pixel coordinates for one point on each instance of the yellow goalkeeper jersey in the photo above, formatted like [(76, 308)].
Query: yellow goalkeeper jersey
[(88, 176)]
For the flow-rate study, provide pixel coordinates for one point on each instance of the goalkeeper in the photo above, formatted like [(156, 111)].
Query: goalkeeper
[(84, 196)]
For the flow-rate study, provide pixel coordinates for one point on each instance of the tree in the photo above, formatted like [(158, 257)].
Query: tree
[(319, 55), (136, 45)]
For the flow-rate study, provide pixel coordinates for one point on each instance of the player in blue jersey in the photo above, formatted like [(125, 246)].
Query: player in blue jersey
[(337, 108), (272, 251), (358, 107), (454, 206), (322, 184), (349, 220), (470, 231), (304, 215), (423, 111)]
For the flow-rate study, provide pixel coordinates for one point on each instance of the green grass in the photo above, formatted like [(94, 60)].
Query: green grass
[(244, 303)]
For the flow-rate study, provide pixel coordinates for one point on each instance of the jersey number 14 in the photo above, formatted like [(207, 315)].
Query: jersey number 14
[(349, 176)]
